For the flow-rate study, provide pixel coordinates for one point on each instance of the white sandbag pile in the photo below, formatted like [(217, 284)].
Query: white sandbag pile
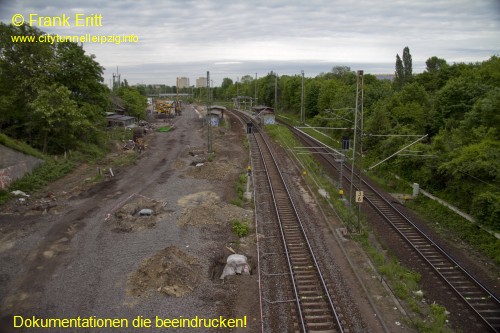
[(235, 264)]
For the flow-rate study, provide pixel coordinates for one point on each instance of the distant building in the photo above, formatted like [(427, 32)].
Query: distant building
[(201, 82), (183, 82)]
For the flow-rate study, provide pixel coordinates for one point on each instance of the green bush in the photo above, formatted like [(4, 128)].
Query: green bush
[(240, 228), (486, 208)]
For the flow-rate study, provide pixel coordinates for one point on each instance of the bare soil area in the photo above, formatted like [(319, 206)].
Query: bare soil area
[(170, 271), (82, 247)]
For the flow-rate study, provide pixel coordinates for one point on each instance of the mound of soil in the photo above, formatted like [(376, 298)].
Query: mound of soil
[(211, 171), (213, 213), (170, 271), (128, 219)]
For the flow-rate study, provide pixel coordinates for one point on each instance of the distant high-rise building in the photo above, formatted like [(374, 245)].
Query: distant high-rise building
[(201, 82), (183, 82)]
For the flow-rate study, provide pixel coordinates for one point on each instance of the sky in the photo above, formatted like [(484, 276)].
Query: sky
[(187, 38)]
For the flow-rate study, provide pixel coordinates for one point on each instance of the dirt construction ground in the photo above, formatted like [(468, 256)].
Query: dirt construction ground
[(87, 251)]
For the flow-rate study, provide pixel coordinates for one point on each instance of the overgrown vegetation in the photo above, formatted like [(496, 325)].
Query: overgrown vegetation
[(20, 146), (456, 105), (457, 228), (240, 228), (240, 188)]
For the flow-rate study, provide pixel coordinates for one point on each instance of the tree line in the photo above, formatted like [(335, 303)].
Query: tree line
[(53, 96), (456, 105)]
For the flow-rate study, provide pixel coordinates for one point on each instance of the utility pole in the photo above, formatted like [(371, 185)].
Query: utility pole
[(237, 93), (211, 91), (176, 96), (116, 84), (255, 97), (275, 93), (209, 116), (302, 113)]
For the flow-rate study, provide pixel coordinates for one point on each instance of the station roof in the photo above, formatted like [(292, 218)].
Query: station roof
[(119, 117), (260, 108), (218, 107)]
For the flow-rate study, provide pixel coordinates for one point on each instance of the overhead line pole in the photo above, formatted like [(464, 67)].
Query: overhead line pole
[(302, 113), (276, 94), (209, 116), (255, 97), (358, 130)]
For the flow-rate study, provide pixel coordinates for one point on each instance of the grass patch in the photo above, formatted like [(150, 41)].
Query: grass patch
[(240, 228), (240, 188), (55, 167), (4, 196), (164, 129), (51, 170), (20, 146), (246, 144)]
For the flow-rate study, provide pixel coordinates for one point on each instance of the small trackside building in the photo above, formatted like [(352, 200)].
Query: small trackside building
[(216, 114), (265, 115), (117, 120)]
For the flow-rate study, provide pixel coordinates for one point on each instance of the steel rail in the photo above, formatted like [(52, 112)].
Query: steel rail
[(277, 184)]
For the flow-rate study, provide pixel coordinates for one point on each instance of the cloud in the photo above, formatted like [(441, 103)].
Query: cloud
[(186, 34)]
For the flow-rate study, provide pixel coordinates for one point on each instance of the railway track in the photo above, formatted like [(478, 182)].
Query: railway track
[(483, 303), (314, 308)]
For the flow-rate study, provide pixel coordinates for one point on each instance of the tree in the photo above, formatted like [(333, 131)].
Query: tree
[(407, 64), (457, 98), (399, 78), (404, 69), (226, 90), (56, 122), (339, 71), (226, 83), (134, 102), (266, 89), (246, 79), (82, 75), (485, 112), (435, 64), (311, 99), (24, 69), (29, 69)]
